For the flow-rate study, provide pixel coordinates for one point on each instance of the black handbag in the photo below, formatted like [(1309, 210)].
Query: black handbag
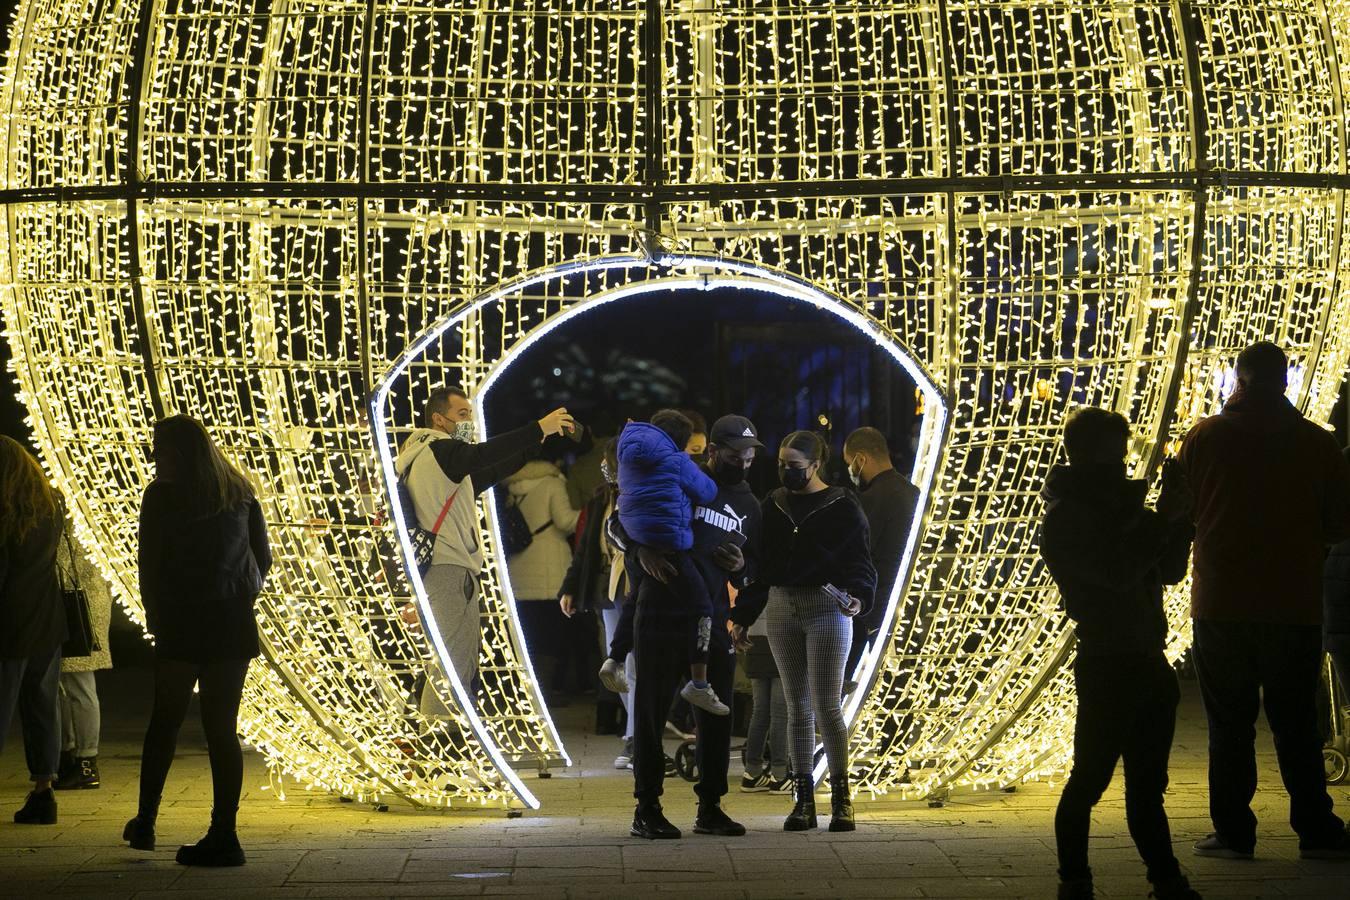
[(80, 628)]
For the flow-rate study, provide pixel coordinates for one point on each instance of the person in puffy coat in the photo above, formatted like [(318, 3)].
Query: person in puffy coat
[(659, 483), (1336, 609), (80, 714), (32, 621), (540, 491), (203, 557)]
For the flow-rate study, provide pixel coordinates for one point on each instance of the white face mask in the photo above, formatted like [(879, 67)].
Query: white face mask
[(855, 476), (465, 432)]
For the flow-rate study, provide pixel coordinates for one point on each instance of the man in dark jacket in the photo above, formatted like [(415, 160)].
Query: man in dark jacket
[(1336, 609), (888, 500), (1271, 490), (726, 538), (1110, 556)]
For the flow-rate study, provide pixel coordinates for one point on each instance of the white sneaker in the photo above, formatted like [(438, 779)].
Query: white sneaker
[(612, 676), (704, 698), (625, 758)]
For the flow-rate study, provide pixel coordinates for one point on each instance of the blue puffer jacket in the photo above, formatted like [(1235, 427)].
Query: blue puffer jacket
[(658, 486)]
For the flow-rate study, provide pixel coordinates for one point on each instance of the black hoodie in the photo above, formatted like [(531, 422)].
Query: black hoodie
[(1110, 556)]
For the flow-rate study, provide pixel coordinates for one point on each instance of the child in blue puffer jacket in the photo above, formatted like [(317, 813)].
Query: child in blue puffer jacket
[(658, 487)]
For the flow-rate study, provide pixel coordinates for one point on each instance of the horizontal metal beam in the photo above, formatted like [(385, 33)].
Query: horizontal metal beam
[(641, 195)]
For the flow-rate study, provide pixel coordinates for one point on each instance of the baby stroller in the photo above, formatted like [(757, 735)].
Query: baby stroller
[(1336, 751)]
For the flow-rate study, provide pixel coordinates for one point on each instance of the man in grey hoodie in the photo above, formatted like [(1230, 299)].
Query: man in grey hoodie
[(437, 462)]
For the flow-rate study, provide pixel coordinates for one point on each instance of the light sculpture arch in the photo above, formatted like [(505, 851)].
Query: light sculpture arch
[(250, 209)]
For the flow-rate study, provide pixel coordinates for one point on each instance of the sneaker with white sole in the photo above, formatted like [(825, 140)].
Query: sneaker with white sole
[(1214, 846), (625, 758), (754, 784), (781, 785), (613, 677), (705, 698)]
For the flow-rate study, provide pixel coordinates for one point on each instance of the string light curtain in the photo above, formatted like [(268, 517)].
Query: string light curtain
[(267, 212)]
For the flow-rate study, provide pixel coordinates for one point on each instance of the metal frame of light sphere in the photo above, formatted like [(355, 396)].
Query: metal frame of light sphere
[(293, 219)]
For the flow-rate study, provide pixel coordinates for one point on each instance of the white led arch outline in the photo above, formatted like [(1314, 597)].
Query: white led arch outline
[(932, 441)]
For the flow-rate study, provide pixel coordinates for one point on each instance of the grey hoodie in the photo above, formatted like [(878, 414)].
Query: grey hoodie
[(439, 468)]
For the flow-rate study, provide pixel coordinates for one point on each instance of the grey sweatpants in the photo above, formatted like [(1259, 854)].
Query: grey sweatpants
[(810, 638), (453, 594), (80, 715)]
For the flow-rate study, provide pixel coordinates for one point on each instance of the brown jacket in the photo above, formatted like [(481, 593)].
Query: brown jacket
[(1271, 490)]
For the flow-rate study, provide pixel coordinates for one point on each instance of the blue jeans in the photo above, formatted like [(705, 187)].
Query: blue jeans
[(30, 684), (766, 742)]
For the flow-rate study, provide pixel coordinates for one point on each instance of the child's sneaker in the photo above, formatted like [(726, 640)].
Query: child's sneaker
[(625, 758), (612, 676), (754, 784), (705, 698)]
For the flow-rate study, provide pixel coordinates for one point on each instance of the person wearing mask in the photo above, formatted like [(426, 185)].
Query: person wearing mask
[(81, 721), (596, 580), (445, 469), (539, 490), (203, 558), (1110, 556), (888, 500), (1271, 491), (32, 622), (815, 575), (725, 548)]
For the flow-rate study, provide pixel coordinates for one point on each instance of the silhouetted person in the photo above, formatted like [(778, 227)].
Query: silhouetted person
[(888, 500), (32, 622), (1336, 610), (203, 557), (1110, 555), (1271, 490)]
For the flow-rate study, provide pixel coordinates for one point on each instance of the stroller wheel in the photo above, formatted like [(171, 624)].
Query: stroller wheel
[(1335, 764), (686, 762)]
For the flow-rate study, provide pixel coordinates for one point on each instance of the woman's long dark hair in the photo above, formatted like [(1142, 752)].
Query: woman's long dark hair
[(212, 482), (27, 497)]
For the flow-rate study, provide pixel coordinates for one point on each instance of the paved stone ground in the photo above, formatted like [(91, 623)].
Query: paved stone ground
[(979, 845)]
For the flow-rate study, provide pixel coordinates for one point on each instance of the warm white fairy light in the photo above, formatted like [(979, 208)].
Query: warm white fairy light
[(1037, 204)]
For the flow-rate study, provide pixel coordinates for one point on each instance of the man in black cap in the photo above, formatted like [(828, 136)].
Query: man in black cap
[(726, 537)]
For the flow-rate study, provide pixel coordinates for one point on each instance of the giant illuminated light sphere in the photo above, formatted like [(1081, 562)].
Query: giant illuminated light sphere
[(291, 219)]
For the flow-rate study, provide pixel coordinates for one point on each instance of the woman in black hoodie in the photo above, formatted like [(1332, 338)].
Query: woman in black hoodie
[(32, 621), (815, 574), (203, 557)]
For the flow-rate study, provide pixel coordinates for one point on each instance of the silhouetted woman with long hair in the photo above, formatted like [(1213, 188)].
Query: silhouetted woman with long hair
[(203, 557), (32, 622)]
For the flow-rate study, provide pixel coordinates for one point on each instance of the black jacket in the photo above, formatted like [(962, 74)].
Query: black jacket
[(587, 578), (888, 501), (1336, 599), (828, 546), (201, 575), (492, 460), (32, 614), (1110, 555)]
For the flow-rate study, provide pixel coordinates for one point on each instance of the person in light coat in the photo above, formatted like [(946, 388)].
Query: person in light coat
[(537, 572), (80, 714)]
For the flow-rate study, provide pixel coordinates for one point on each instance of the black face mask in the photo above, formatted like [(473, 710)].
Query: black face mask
[(794, 479), (726, 474)]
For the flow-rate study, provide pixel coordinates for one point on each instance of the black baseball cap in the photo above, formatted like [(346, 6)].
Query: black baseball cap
[(736, 432)]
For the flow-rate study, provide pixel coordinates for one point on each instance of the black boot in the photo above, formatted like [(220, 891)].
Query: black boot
[(803, 815), (841, 805), (83, 775), (651, 823), (1176, 888), (140, 832), (65, 766), (219, 848), (1076, 888), (38, 809)]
